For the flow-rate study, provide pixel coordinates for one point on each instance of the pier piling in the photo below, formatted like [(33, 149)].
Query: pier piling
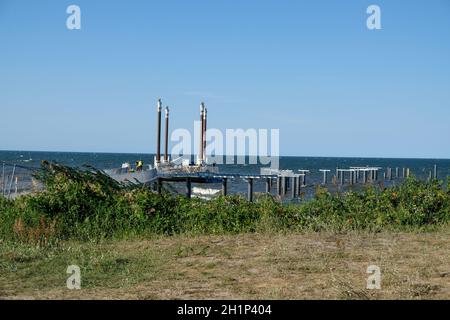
[(224, 186), (325, 176), (250, 190), (202, 110), (285, 185), (205, 112), (3, 180), (389, 173), (279, 191), (299, 185), (188, 188), (11, 181), (268, 185), (158, 133), (303, 177), (293, 187), (166, 136)]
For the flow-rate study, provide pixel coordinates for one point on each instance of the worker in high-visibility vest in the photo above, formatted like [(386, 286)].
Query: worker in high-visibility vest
[(139, 165)]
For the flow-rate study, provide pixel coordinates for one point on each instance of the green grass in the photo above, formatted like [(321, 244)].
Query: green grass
[(87, 205), (131, 242), (297, 265), (32, 268)]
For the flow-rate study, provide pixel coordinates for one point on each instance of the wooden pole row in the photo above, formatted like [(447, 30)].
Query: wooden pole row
[(292, 182)]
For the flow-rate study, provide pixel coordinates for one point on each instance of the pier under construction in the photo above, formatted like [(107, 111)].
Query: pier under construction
[(199, 178)]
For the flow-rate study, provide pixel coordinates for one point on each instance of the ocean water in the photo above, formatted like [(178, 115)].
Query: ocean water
[(418, 167)]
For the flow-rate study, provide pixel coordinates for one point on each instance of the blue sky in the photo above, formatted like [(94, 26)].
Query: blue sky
[(310, 68)]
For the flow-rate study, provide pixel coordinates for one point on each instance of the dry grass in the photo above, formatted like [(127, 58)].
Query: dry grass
[(249, 266)]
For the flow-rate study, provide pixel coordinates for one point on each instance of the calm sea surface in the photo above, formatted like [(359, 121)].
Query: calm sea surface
[(420, 167)]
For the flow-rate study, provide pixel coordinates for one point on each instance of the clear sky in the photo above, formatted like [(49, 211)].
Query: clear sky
[(310, 68)]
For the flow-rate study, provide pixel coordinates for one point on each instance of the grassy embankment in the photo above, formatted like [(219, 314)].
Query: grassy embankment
[(133, 243)]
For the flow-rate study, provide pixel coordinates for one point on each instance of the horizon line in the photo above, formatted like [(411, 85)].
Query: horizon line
[(280, 156)]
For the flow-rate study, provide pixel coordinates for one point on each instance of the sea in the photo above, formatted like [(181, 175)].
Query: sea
[(420, 168)]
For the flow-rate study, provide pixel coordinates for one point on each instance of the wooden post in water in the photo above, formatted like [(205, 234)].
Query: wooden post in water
[(435, 175), (3, 180), (404, 173), (279, 186), (293, 187), (224, 186), (396, 173), (285, 185), (268, 185), (407, 172), (341, 177), (303, 176), (325, 176), (188, 188), (250, 190), (11, 181)]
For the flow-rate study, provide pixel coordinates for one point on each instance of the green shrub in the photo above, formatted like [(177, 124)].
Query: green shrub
[(87, 204)]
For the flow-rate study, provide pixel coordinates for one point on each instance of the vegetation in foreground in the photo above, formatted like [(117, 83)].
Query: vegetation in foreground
[(310, 265), (88, 205), (117, 234)]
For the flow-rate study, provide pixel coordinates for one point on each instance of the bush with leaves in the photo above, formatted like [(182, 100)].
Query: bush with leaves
[(87, 204)]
